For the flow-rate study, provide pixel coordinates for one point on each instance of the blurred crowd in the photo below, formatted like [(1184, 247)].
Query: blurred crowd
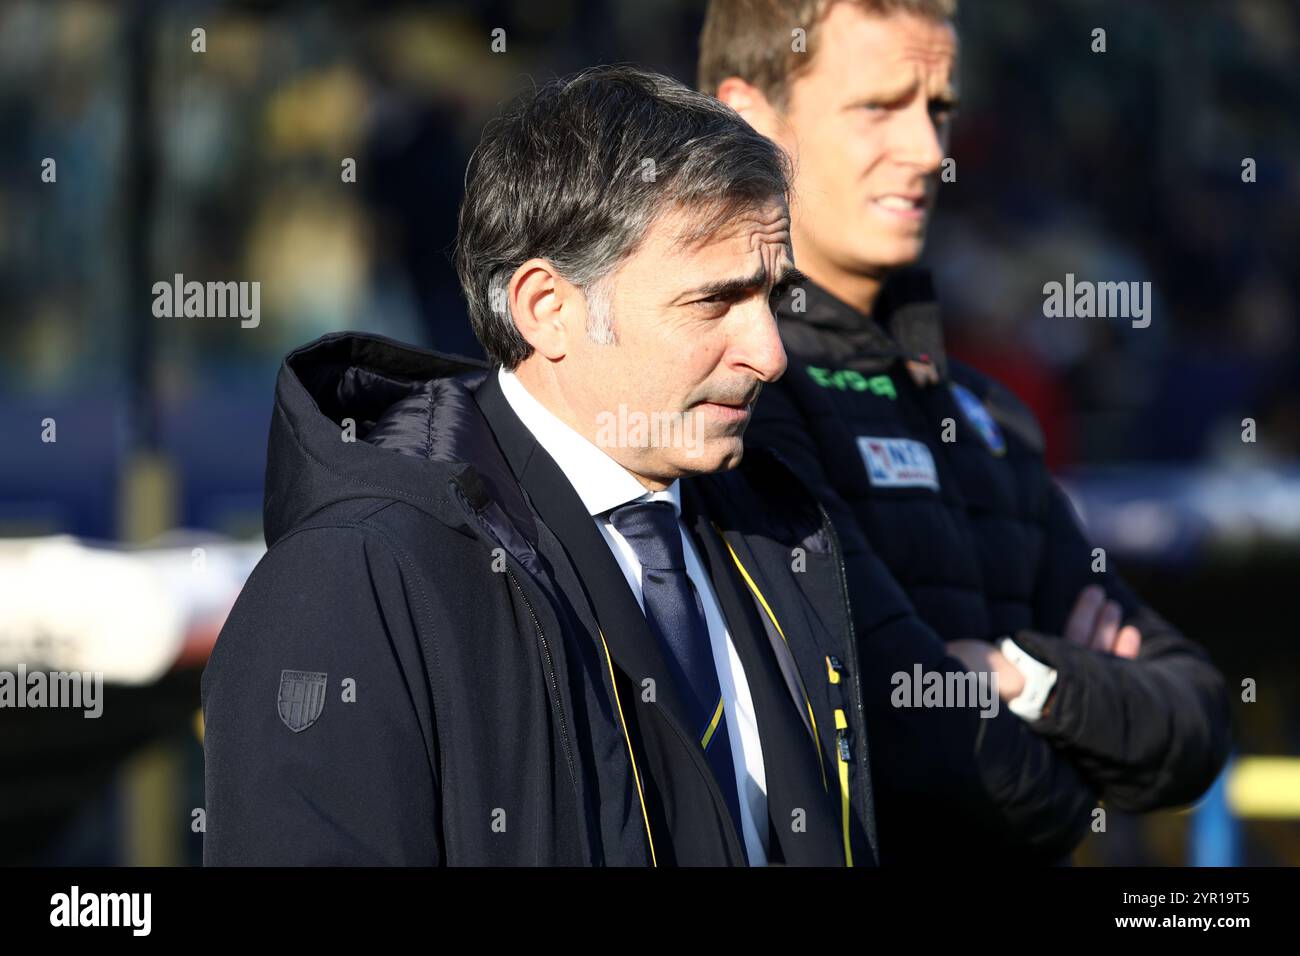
[(1128, 165), (226, 164)]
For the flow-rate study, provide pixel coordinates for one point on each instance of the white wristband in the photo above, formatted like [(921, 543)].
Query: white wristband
[(1039, 681)]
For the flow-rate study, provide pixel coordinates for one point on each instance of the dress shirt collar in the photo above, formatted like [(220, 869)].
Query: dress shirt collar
[(600, 481)]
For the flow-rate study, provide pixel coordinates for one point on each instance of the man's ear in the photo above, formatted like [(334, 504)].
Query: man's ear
[(545, 307), (751, 103)]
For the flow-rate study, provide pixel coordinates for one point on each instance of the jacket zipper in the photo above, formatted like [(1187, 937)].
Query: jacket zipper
[(555, 689), (843, 755), (559, 706), (550, 673), (541, 638), (851, 651)]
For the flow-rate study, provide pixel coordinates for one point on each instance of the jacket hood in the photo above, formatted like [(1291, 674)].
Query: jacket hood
[(362, 416)]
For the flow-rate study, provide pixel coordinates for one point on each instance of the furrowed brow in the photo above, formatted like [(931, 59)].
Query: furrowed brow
[(733, 287)]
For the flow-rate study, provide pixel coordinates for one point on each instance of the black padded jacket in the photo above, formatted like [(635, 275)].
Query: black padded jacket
[(945, 484)]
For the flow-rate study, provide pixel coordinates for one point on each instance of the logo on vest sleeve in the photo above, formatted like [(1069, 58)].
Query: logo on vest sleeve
[(301, 698), (980, 417), (898, 463)]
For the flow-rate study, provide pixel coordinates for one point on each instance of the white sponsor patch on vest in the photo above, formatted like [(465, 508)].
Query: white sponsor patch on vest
[(898, 463)]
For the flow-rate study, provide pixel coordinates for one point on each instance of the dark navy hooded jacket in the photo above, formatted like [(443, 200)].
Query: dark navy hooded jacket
[(418, 673)]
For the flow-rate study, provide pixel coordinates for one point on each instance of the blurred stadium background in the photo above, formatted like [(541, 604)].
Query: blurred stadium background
[(122, 543)]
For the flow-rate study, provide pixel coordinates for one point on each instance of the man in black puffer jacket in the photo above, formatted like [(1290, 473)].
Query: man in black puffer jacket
[(938, 470)]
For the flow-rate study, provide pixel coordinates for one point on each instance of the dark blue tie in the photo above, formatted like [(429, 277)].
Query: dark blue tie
[(676, 617)]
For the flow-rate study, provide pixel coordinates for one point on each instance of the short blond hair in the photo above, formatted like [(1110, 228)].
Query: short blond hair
[(751, 39)]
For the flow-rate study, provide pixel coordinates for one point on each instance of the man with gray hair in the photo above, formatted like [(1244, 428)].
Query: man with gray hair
[(535, 613)]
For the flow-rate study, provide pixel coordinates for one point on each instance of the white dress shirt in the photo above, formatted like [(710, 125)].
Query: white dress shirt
[(603, 484)]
